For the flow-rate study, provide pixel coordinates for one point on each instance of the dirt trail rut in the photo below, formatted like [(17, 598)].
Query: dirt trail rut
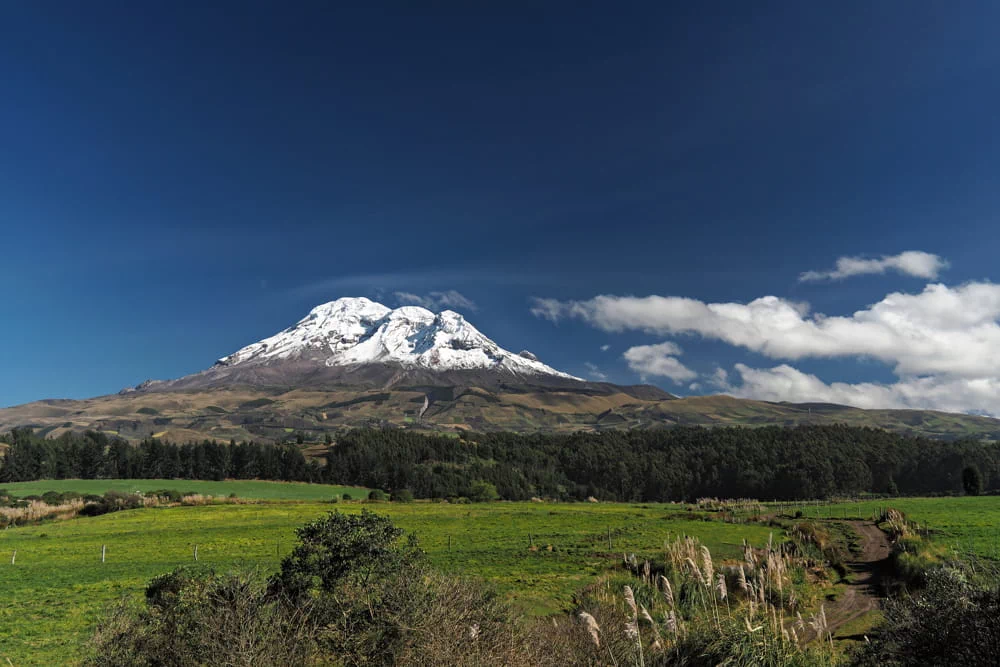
[(866, 569)]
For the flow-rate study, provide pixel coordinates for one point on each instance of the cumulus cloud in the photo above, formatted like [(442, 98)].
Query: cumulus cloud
[(658, 360), (941, 330), (595, 373), (605, 348), (437, 300), (942, 343), (912, 263), (785, 383)]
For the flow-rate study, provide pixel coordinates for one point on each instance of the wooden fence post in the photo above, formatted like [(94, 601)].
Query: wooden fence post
[(103, 550)]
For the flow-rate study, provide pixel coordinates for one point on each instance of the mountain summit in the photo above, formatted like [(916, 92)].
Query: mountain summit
[(357, 331), (357, 341)]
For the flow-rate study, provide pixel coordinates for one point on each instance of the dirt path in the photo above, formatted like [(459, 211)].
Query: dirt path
[(866, 569)]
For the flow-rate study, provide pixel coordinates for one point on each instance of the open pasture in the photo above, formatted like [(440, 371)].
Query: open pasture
[(58, 586)]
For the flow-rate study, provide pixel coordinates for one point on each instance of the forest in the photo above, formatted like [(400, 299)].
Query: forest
[(676, 464), (95, 455)]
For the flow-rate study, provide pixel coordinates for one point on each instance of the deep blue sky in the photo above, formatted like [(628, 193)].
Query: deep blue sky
[(179, 181)]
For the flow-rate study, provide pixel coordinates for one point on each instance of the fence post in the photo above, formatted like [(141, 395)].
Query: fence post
[(13, 557), (196, 553), (103, 550)]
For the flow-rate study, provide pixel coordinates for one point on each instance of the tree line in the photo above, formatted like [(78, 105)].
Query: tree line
[(681, 463), (95, 455)]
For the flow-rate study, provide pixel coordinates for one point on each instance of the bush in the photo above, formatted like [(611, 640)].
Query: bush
[(170, 495), (481, 491), (376, 495), (375, 601), (112, 501), (347, 496), (402, 496), (52, 498), (952, 622), (193, 617), (350, 593)]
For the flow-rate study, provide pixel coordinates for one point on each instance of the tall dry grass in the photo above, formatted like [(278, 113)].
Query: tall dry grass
[(694, 609), (37, 510)]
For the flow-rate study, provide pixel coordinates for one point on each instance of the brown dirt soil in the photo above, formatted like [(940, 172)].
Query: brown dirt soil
[(867, 569)]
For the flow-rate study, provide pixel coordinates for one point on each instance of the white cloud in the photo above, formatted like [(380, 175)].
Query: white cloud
[(595, 372), (941, 330), (549, 309), (659, 360), (605, 348), (785, 383), (942, 343), (437, 300), (719, 378), (912, 263)]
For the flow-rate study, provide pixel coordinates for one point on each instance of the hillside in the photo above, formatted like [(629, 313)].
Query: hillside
[(276, 414)]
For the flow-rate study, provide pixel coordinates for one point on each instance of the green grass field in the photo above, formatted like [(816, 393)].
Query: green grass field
[(58, 587), (966, 523), (242, 488)]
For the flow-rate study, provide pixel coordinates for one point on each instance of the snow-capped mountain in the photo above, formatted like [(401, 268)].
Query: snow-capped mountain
[(355, 341), (353, 332)]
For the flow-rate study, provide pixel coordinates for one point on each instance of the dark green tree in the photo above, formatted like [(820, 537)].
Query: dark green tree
[(341, 547), (972, 481)]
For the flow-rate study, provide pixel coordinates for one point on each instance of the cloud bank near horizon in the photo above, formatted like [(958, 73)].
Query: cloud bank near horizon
[(942, 343)]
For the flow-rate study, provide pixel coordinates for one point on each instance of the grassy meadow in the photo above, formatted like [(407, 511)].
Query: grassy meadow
[(540, 554), (58, 586)]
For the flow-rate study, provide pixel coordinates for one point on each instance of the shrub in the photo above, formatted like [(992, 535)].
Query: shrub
[(482, 491), (112, 501), (347, 496), (402, 496), (170, 495), (376, 495), (193, 617), (951, 622), (52, 497), (350, 593)]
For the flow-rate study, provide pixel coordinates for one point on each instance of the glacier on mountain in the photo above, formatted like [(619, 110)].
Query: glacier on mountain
[(354, 331)]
